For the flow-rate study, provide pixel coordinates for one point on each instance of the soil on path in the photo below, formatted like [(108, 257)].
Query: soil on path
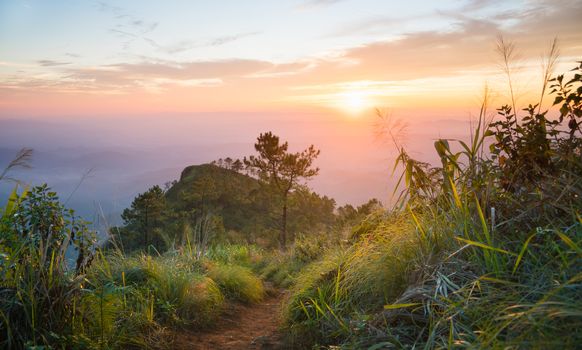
[(241, 326)]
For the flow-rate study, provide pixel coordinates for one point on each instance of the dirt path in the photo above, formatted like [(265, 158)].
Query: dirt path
[(241, 326)]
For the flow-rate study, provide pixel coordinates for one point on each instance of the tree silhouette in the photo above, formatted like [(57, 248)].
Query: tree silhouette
[(276, 166), (146, 213)]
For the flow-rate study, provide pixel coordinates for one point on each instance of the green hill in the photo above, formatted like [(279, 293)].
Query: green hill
[(209, 189), (236, 208)]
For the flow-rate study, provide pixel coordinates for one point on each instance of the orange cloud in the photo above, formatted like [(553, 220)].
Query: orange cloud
[(422, 70)]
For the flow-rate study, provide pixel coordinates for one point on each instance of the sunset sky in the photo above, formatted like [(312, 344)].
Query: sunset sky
[(201, 73), (68, 57)]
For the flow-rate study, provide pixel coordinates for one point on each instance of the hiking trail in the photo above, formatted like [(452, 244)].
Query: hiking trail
[(241, 326)]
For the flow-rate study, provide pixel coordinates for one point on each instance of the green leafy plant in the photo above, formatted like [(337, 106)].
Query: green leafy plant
[(39, 285)]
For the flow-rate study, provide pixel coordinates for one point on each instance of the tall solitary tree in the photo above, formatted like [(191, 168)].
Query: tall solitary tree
[(282, 170)]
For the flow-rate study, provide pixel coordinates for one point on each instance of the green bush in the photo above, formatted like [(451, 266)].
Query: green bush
[(237, 282), (172, 286), (39, 289)]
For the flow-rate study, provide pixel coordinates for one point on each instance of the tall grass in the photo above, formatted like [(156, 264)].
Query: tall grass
[(105, 300), (39, 289), (237, 282), (333, 297), (481, 252)]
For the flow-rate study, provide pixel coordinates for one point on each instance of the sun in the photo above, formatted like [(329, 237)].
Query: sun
[(354, 102)]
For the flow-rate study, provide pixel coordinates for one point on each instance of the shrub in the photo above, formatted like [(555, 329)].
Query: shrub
[(173, 288), (237, 282), (38, 288)]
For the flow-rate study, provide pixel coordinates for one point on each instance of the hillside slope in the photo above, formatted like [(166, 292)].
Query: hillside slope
[(246, 207)]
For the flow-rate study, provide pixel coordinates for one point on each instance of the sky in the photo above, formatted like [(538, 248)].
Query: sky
[(201, 79)]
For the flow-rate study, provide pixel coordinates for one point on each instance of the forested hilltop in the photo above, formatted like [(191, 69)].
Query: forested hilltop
[(235, 207)]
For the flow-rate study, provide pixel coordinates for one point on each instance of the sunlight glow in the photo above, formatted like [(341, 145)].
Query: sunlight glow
[(354, 102)]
